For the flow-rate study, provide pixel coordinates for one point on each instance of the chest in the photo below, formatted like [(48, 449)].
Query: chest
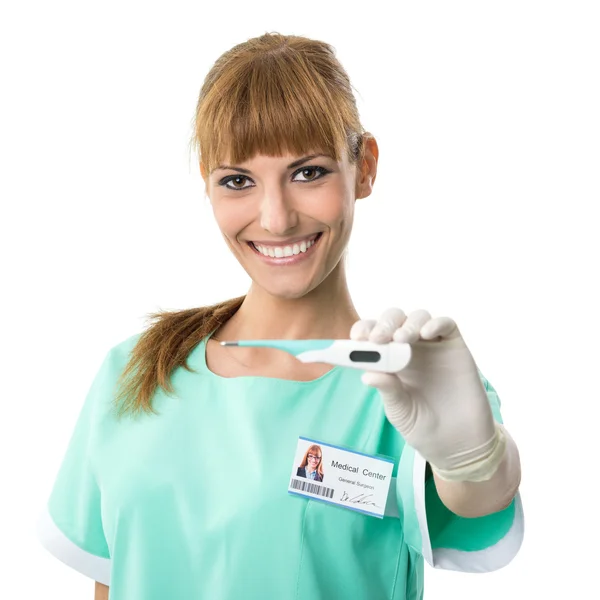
[(234, 362), (219, 453)]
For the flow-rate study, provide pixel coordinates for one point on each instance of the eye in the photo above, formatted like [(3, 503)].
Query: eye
[(226, 180), (240, 178), (321, 170)]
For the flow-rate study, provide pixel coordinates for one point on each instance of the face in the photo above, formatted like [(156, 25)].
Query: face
[(314, 458), (287, 219)]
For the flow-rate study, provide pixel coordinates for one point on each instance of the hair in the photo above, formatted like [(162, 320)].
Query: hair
[(273, 94), (312, 449)]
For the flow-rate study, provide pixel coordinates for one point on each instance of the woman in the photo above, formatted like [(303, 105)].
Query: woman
[(311, 466), (150, 498)]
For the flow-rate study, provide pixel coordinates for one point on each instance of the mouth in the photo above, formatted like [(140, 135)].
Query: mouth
[(287, 254)]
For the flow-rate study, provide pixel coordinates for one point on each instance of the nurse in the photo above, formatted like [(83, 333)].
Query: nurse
[(311, 466), (177, 481)]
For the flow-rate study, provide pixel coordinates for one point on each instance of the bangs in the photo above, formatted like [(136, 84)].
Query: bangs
[(274, 108)]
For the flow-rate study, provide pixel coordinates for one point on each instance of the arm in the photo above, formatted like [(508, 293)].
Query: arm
[(101, 592)]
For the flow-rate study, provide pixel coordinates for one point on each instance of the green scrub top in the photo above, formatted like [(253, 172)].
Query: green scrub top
[(193, 503)]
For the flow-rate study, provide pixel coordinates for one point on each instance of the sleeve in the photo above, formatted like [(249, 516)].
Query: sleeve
[(444, 539), (70, 525)]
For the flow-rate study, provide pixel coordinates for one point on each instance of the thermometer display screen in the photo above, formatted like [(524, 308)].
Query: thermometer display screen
[(368, 356)]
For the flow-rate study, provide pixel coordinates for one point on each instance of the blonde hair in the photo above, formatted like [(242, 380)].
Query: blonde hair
[(273, 94)]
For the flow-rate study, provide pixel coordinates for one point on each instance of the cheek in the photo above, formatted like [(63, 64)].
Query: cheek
[(341, 220), (229, 220), (335, 210)]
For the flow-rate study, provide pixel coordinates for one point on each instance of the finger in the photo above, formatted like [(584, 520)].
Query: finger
[(410, 331), (440, 327), (386, 383), (361, 329), (388, 322)]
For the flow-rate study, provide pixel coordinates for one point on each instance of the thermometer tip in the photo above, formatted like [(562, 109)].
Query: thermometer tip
[(229, 344)]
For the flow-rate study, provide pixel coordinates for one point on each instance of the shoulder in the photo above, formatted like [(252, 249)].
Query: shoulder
[(117, 356), (105, 382), (122, 350)]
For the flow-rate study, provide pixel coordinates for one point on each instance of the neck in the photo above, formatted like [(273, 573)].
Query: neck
[(327, 312)]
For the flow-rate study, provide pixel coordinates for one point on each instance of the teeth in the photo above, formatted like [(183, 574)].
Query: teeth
[(281, 251)]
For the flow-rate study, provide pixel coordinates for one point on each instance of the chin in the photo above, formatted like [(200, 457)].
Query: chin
[(287, 293), (286, 290)]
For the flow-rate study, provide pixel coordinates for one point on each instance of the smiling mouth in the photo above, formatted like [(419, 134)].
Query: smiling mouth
[(286, 251)]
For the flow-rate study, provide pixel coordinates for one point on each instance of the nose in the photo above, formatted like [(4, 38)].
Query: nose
[(277, 214)]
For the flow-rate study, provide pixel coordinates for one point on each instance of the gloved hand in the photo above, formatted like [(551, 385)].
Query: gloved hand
[(438, 402)]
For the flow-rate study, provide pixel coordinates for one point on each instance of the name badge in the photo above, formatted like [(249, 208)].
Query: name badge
[(341, 476)]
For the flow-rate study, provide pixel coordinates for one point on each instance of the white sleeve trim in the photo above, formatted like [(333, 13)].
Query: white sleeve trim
[(55, 541), (480, 561)]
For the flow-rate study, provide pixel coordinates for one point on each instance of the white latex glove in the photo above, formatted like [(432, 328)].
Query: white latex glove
[(438, 402)]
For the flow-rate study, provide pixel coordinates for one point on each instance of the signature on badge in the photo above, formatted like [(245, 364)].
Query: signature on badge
[(359, 499)]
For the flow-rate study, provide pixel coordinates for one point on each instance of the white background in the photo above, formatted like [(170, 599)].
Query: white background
[(484, 209)]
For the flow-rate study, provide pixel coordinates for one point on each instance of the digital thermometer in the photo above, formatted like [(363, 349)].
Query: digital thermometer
[(369, 356)]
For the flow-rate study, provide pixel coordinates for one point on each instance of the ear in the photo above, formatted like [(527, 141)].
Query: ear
[(367, 170)]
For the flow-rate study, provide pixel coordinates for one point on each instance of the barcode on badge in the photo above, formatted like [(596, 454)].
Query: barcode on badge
[(312, 488)]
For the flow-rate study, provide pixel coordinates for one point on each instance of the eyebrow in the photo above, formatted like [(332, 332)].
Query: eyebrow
[(296, 163)]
